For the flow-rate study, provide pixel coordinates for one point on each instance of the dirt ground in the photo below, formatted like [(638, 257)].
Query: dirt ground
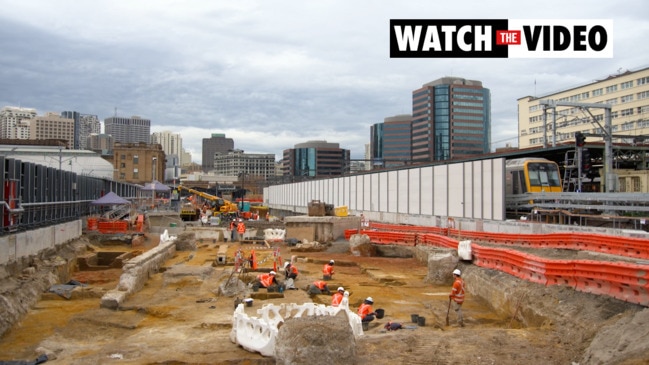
[(179, 317)]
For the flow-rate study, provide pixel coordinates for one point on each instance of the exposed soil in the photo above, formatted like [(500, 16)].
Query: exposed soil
[(181, 318)]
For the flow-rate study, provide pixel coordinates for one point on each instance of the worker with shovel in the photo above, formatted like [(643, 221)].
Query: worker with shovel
[(457, 296)]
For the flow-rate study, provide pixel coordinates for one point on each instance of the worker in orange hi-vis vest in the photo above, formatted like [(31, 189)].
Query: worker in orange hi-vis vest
[(241, 229), (457, 295), (318, 287), (253, 260), (365, 311), (338, 296), (290, 272), (232, 230), (328, 270), (265, 280)]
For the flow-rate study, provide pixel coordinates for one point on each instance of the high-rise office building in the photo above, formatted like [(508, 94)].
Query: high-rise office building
[(100, 143), (186, 158), (315, 159), (627, 92), (391, 141), (172, 144), (14, 122), (84, 126), (451, 118), (217, 143), (128, 130)]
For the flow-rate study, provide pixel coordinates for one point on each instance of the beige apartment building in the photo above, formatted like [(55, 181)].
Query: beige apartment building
[(627, 92), (52, 126)]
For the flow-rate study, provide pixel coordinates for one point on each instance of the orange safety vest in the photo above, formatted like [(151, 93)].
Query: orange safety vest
[(231, 225), (241, 228), (336, 299), (364, 310), (291, 270), (320, 284), (328, 270), (457, 294), (266, 279)]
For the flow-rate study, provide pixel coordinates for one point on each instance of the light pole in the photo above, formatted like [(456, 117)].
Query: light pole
[(155, 165), (243, 189), (153, 178)]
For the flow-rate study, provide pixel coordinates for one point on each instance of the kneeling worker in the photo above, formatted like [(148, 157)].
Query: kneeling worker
[(266, 280), (318, 287), (365, 311), (290, 273), (328, 270)]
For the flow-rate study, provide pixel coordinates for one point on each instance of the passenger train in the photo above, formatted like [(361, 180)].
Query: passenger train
[(532, 175)]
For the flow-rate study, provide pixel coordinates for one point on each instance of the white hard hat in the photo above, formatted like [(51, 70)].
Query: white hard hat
[(287, 264), (272, 272), (346, 293), (457, 272), (331, 261), (340, 288), (369, 299)]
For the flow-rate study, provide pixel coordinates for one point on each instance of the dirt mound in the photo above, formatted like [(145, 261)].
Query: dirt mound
[(316, 340)]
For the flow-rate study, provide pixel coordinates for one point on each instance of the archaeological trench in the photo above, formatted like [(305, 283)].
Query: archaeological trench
[(182, 313)]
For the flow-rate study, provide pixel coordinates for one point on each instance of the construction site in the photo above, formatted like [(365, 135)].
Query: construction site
[(131, 278), (183, 312)]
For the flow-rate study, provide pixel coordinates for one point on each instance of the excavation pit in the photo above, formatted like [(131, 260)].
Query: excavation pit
[(104, 260)]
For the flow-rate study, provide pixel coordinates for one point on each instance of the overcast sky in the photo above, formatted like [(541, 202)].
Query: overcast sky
[(270, 74)]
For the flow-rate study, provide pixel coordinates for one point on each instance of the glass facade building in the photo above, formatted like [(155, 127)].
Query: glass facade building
[(451, 118)]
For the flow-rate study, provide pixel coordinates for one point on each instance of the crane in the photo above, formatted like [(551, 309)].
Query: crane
[(223, 206)]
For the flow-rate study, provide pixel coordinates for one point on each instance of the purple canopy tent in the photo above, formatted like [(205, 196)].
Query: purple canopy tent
[(110, 199), (156, 186)]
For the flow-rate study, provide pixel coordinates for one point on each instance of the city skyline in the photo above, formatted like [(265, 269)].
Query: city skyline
[(273, 75)]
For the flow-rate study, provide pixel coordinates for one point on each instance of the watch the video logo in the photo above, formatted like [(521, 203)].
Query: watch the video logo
[(501, 38)]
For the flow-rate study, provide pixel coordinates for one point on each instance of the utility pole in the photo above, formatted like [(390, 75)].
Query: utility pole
[(607, 128)]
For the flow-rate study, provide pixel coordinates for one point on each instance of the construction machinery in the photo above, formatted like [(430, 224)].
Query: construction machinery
[(223, 206)]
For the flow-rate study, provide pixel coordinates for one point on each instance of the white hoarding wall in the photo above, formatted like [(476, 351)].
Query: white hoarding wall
[(472, 190)]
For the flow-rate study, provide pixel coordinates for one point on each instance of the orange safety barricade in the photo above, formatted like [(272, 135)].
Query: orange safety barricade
[(92, 224), (253, 260), (113, 226), (139, 223)]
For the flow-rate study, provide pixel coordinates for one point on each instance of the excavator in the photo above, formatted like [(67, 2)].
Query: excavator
[(223, 206)]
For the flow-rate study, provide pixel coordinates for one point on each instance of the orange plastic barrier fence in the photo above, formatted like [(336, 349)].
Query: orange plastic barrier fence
[(622, 246), (427, 239), (624, 281), (113, 226), (92, 224)]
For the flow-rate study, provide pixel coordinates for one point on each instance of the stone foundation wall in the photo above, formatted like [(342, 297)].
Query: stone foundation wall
[(138, 270)]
